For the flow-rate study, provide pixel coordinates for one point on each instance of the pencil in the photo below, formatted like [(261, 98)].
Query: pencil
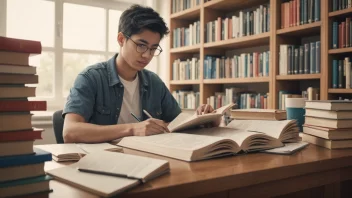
[(135, 117)]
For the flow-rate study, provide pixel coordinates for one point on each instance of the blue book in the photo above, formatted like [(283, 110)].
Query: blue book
[(335, 73), (39, 157)]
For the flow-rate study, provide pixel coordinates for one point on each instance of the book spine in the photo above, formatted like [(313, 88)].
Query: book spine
[(7, 105), (335, 73), (317, 56)]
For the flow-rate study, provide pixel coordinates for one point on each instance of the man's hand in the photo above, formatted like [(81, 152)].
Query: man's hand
[(151, 126), (205, 109)]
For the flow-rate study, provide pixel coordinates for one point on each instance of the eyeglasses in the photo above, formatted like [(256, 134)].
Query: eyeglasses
[(141, 48)]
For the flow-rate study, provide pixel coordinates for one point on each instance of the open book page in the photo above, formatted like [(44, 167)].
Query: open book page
[(182, 146), (102, 185), (247, 140), (185, 121), (284, 130), (123, 165)]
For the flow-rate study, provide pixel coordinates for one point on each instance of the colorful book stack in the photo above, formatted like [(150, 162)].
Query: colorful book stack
[(21, 166), (328, 123)]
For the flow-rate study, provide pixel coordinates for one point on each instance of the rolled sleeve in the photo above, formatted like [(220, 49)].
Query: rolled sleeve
[(81, 98), (170, 107)]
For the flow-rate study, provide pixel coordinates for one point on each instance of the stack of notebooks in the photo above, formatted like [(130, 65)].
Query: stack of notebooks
[(328, 123), (21, 166), (110, 173)]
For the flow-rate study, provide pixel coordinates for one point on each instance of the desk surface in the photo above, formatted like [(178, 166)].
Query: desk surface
[(222, 174)]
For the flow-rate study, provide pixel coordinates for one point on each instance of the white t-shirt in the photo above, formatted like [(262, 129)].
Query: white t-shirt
[(130, 102)]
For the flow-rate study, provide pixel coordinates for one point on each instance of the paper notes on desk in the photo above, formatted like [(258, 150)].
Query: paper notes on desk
[(108, 173), (74, 152), (288, 149)]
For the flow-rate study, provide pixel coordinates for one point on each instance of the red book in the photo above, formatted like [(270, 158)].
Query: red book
[(24, 135), (18, 105), (20, 45)]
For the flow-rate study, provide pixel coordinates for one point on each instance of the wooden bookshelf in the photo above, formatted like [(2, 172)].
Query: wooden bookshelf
[(246, 41), (236, 80), (272, 40), (298, 77), (343, 12), (185, 82), (341, 50), (188, 14), (340, 91), (301, 30), (186, 49), (226, 5)]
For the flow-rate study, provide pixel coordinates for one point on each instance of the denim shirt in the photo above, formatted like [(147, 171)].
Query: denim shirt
[(97, 95)]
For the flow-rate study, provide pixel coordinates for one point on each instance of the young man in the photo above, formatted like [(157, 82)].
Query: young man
[(107, 99)]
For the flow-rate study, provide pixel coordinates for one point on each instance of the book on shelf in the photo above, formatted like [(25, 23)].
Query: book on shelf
[(328, 133), (108, 174), (242, 23), (340, 4), (74, 152), (330, 144), (186, 36), (204, 143), (341, 33), (180, 5), (244, 65), (258, 114), (341, 73), (299, 12), (300, 59)]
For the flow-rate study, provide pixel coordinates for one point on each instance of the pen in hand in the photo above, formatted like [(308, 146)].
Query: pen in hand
[(146, 113), (135, 117)]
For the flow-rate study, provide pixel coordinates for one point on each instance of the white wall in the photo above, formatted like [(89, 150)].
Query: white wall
[(163, 7)]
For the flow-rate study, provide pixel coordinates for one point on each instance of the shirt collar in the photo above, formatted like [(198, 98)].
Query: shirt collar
[(113, 77)]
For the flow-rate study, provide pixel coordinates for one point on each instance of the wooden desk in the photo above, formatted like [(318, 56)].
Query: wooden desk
[(312, 172)]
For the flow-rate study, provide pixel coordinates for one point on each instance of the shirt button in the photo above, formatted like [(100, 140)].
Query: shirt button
[(121, 85)]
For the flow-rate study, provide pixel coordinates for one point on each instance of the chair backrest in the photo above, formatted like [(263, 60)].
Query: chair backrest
[(58, 124)]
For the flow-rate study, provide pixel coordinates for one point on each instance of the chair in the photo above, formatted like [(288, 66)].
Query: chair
[(58, 124)]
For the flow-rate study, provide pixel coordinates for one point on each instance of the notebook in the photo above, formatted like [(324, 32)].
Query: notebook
[(74, 152), (108, 174)]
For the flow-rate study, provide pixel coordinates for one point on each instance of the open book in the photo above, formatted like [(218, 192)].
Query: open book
[(107, 173), (74, 152), (184, 121), (205, 143)]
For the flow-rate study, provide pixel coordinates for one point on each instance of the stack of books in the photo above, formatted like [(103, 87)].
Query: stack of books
[(21, 166), (328, 123)]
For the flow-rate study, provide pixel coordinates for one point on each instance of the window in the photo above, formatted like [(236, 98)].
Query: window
[(74, 34)]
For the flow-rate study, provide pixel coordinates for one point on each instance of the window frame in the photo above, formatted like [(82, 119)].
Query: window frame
[(58, 100)]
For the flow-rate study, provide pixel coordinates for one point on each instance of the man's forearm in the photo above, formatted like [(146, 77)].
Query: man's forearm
[(80, 132)]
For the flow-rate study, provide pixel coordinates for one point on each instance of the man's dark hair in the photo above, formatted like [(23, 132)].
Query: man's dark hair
[(137, 18)]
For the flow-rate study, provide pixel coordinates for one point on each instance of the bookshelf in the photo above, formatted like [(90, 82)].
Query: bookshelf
[(295, 35)]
